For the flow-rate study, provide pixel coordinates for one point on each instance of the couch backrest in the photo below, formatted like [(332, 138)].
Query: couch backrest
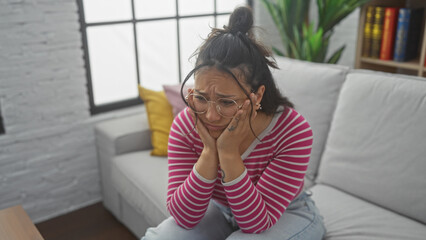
[(376, 148), (313, 88)]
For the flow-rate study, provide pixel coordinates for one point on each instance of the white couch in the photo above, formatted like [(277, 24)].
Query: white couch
[(368, 163)]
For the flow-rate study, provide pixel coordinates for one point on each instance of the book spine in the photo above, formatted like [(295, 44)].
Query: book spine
[(376, 36), (401, 34), (368, 28), (414, 32), (389, 29)]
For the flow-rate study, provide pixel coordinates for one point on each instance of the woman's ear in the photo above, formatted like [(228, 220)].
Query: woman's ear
[(189, 90), (259, 94)]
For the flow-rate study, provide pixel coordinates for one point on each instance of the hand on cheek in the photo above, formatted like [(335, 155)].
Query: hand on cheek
[(207, 140), (237, 130)]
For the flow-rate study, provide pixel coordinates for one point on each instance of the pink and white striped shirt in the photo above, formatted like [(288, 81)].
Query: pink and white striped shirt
[(275, 168)]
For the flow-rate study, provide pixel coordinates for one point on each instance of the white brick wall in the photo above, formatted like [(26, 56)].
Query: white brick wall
[(48, 160), (344, 33)]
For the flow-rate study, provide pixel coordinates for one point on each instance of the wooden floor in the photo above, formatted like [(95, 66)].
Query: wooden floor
[(90, 223)]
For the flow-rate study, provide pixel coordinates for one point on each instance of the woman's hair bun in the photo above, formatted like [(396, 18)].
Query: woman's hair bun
[(241, 20)]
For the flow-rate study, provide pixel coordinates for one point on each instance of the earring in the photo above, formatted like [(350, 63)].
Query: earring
[(258, 105)]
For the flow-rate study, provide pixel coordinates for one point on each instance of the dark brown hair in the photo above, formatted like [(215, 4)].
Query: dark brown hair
[(235, 47)]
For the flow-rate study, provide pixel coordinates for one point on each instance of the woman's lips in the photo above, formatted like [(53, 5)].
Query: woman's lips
[(213, 127)]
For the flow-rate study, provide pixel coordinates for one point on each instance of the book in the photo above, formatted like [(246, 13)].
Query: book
[(376, 34), (368, 29), (389, 29), (408, 31), (414, 34)]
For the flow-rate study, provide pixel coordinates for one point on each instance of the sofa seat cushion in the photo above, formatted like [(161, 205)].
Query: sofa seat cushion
[(141, 179), (347, 217)]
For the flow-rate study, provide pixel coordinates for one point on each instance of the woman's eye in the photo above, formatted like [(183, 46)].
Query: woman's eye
[(226, 102), (199, 98)]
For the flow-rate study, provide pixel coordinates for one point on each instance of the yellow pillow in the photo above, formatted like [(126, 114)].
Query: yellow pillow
[(160, 118)]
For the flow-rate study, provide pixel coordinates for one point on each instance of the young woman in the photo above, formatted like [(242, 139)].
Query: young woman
[(238, 154)]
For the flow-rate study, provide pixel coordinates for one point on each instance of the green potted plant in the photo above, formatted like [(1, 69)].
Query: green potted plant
[(300, 39)]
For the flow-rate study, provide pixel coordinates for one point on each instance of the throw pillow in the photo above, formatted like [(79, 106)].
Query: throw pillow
[(173, 95), (160, 118)]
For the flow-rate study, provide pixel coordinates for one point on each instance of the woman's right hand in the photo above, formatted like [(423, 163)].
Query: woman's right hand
[(208, 161), (208, 141)]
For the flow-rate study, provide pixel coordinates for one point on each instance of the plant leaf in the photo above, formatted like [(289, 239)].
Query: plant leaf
[(276, 15), (336, 55), (278, 52), (299, 38), (335, 11)]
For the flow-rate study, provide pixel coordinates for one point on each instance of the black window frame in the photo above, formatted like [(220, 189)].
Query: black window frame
[(135, 101), (2, 130)]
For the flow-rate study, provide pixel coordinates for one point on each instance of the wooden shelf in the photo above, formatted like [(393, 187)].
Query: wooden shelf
[(413, 64), (413, 67)]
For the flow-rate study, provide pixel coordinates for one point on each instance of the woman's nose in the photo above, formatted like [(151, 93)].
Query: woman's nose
[(212, 114)]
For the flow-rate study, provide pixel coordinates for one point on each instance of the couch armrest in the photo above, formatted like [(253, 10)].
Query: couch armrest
[(124, 134), (115, 137)]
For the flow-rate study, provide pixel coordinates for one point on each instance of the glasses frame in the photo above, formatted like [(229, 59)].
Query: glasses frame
[(238, 107)]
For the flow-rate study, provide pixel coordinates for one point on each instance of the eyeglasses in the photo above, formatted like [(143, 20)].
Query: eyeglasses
[(226, 107)]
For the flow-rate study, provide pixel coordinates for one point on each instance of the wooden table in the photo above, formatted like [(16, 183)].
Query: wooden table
[(15, 224)]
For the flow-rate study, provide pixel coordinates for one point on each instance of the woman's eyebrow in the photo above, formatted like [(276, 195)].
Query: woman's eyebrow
[(217, 94)]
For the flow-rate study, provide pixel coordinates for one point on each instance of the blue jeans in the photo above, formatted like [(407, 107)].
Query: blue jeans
[(301, 220)]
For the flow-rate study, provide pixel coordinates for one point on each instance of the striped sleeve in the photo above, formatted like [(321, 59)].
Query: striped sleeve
[(258, 207), (188, 194)]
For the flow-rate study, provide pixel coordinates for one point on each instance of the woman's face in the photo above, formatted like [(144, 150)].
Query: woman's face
[(213, 85)]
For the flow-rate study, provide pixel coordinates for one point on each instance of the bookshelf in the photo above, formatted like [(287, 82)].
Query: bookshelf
[(412, 67)]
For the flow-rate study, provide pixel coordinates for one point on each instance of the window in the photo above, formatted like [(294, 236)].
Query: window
[(130, 42), (1, 125)]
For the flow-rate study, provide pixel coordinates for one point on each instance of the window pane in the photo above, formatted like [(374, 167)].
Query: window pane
[(112, 63), (228, 5), (222, 20), (193, 31), (158, 58), (107, 10), (194, 7), (155, 9)]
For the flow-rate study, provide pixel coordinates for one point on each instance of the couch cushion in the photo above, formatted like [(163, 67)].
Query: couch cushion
[(123, 134), (347, 217), (313, 88), (175, 99), (142, 180), (376, 146), (160, 118)]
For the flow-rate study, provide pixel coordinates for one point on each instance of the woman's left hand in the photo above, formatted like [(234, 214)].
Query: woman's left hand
[(238, 129)]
